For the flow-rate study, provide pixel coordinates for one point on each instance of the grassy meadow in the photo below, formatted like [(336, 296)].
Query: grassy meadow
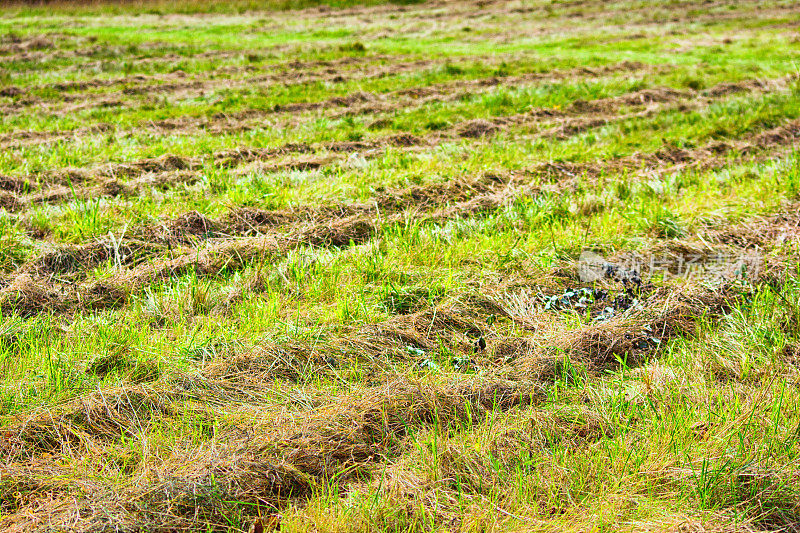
[(463, 266)]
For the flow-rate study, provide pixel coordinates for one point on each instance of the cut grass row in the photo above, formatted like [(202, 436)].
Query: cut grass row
[(341, 287), (390, 421), (686, 128)]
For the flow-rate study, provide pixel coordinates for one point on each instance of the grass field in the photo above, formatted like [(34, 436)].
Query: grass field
[(448, 266)]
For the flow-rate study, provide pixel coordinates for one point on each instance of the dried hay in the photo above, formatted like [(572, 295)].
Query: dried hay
[(336, 233), (632, 337), (425, 196), (264, 364), (477, 128), (83, 424), (165, 163), (68, 259)]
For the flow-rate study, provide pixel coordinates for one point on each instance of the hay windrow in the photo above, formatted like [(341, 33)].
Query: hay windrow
[(778, 229), (84, 424), (356, 103), (274, 466), (184, 168), (336, 227), (272, 470), (628, 340), (76, 259)]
